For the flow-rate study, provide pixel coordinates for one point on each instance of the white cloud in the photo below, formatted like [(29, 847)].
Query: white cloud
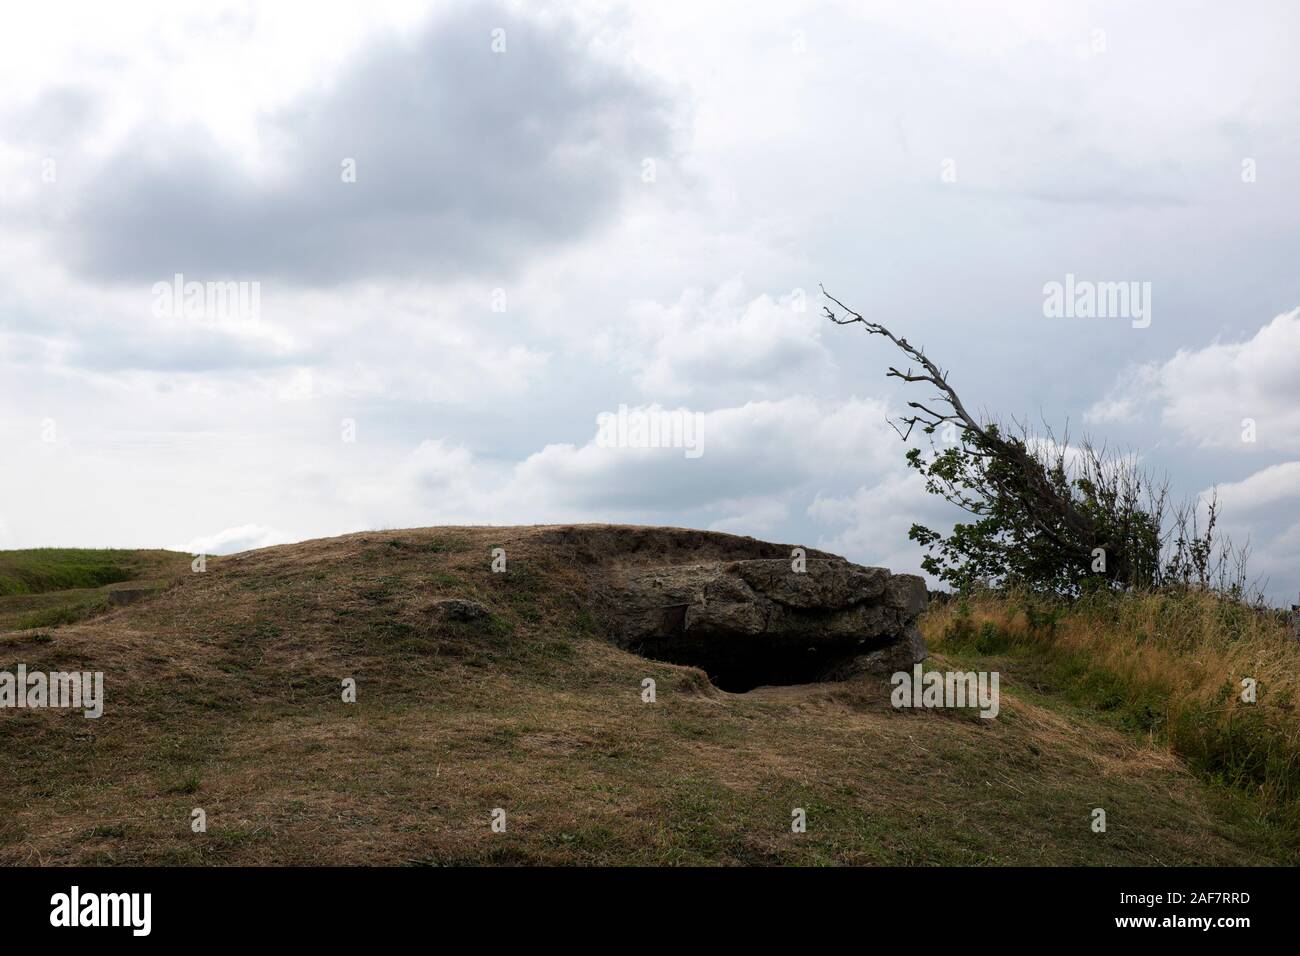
[(233, 540), (1117, 409), (757, 460), (759, 448), (753, 518), (1264, 510), (1274, 485), (870, 525), (1206, 394), (700, 343)]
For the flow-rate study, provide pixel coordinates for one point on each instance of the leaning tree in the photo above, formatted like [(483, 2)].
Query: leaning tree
[(1041, 513)]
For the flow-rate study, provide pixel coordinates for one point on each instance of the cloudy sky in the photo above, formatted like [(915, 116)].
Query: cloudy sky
[(472, 228)]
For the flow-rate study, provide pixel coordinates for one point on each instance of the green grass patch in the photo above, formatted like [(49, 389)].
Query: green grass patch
[(38, 570), (50, 587)]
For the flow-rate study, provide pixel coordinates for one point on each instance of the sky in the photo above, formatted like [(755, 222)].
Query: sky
[(425, 250)]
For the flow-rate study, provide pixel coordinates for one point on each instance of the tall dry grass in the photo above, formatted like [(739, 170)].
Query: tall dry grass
[(1170, 664)]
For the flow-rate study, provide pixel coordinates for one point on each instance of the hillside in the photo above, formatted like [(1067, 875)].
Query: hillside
[(42, 587), (224, 692)]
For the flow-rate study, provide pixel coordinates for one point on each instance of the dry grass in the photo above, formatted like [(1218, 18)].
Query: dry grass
[(1170, 665), (223, 693)]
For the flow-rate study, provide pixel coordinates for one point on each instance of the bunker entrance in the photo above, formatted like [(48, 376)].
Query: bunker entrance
[(740, 662)]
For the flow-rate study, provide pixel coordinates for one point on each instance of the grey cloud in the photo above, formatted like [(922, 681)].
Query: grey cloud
[(54, 118), (468, 161)]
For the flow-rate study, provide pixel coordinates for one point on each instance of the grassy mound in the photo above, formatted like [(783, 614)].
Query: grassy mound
[(226, 693)]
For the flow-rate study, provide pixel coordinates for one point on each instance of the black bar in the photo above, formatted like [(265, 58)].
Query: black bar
[(336, 905)]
